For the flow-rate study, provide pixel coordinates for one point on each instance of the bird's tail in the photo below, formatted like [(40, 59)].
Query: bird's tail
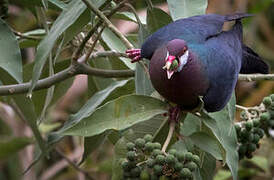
[(252, 62), (237, 16)]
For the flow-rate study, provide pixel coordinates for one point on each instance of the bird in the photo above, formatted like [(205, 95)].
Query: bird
[(194, 58)]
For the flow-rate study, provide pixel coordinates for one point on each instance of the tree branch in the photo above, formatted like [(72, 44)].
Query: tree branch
[(108, 24), (255, 77), (93, 30)]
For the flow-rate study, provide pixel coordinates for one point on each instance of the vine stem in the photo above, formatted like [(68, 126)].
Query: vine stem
[(254, 77), (169, 136)]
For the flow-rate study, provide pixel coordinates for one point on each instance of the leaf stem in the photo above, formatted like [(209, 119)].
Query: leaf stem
[(169, 136)]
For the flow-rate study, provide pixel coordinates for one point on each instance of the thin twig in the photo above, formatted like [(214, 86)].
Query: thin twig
[(108, 24), (169, 136), (93, 30), (94, 44), (85, 173), (255, 77), (26, 36)]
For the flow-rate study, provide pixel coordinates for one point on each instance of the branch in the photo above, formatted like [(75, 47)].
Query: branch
[(93, 30), (255, 77), (74, 69), (169, 136), (108, 24)]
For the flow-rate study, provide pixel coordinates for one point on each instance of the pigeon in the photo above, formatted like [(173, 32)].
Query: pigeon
[(193, 59)]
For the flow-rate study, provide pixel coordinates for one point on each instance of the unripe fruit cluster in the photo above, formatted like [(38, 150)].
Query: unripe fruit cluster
[(146, 161), (267, 117), (250, 131)]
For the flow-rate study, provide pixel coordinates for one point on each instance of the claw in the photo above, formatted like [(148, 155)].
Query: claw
[(134, 54), (174, 114)]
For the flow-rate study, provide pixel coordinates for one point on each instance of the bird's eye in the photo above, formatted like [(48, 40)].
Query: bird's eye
[(185, 48)]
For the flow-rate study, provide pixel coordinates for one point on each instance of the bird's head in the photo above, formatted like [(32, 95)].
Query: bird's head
[(176, 57)]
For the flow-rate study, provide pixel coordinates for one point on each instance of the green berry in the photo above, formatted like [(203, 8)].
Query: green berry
[(160, 159), (251, 137), (249, 125), (170, 159), (178, 166), (127, 174), (242, 149), (267, 101), (260, 132), (158, 169), (130, 146), (251, 147), (237, 128), (256, 122), (140, 143), (144, 175), (174, 65), (149, 147), (256, 138), (156, 152), (135, 172), (244, 133), (196, 159), (249, 155), (172, 151), (131, 155), (150, 163), (185, 173), (265, 116), (180, 156), (157, 145), (125, 166), (148, 138), (131, 164), (191, 166), (272, 97), (271, 123), (188, 156)]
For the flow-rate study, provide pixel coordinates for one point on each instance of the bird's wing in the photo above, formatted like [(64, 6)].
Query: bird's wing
[(221, 55), (196, 29)]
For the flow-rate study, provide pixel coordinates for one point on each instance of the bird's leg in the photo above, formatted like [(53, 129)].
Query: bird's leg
[(134, 54), (174, 114)]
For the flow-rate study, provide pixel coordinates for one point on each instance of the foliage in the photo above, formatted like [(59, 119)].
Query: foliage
[(116, 112)]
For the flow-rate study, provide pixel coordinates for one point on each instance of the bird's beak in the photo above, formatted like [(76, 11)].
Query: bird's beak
[(169, 74), (167, 66)]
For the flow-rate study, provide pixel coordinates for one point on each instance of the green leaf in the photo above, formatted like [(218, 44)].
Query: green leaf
[(157, 18), (207, 168), (118, 114), (10, 54), (186, 8), (222, 175), (208, 143), (114, 43), (142, 82), (92, 143), (221, 124), (191, 124), (26, 107), (260, 162), (87, 109), (12, 146), (128, 16), (62, 23)]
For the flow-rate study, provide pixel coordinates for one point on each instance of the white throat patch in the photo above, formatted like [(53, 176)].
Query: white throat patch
[(183, 60)]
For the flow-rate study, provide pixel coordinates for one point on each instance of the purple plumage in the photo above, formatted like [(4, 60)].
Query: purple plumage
[(193, 57)]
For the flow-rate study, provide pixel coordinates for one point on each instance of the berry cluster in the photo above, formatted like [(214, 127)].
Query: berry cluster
[(146, 161), (267, 117), (253, 128)]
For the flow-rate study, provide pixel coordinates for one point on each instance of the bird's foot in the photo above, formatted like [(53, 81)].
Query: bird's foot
[(174, 114), (134, 54)]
